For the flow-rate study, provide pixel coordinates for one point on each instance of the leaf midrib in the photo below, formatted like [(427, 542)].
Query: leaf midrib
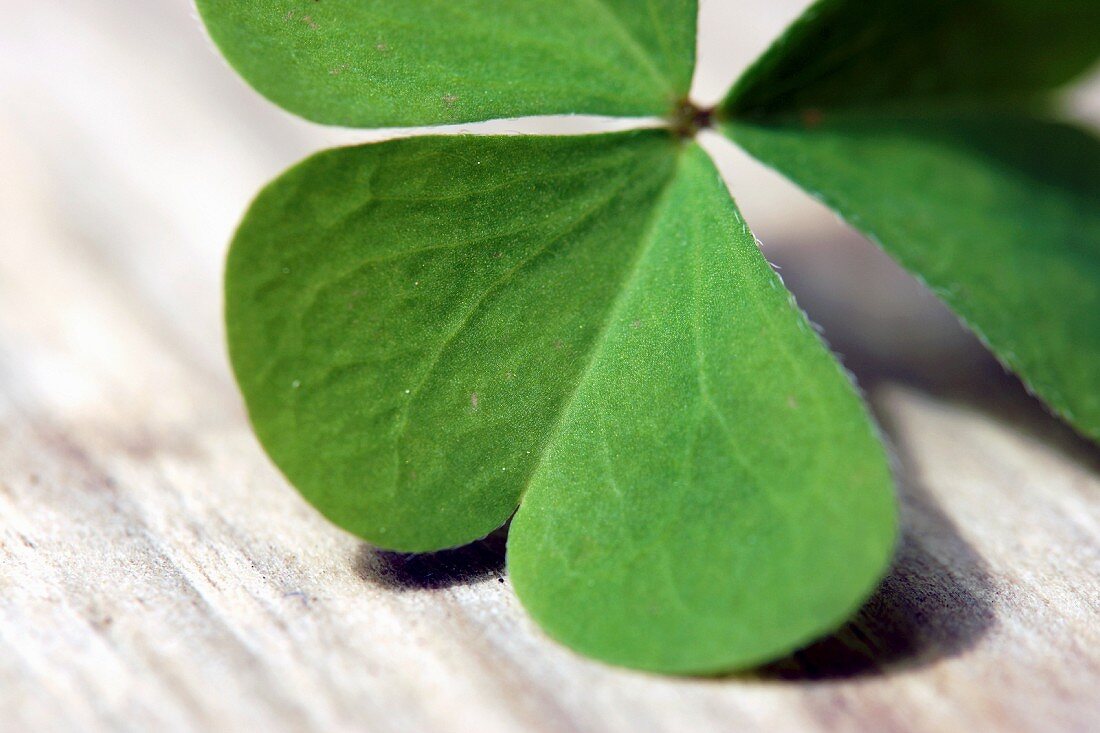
[(557, 237), (625, 288)]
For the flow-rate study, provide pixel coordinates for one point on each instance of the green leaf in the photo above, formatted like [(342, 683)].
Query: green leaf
[(885, 53), (999, 215), (406, 319), (428, 331), (376, 63), (883, 110), (714, 495)]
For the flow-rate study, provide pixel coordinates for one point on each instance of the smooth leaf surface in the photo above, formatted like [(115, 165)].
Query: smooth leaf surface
[(894, 114), (999, 215), (714, 495), (379, 63), (900, 53), (429, 331), (406, 319)]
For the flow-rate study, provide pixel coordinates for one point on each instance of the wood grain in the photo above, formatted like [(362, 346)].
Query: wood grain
[(157, 574)]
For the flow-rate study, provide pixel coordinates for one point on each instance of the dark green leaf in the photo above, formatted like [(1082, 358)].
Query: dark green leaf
[(862, 53), (877, 109), (999, 215), (428, 331), (424, 62)]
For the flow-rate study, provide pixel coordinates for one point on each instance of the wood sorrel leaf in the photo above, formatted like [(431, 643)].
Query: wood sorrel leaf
[(876, 108), (713, 495), (429, 331), (999, 215), (888, 53), (406, 319), (377, 63)]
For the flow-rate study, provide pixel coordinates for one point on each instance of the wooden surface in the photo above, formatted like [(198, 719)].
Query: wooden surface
[(157, 574)]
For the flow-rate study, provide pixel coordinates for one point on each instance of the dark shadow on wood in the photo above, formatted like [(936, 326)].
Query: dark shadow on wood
[(400, 571)]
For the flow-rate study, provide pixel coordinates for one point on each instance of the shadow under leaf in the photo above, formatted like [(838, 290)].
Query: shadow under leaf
[(400, 571)]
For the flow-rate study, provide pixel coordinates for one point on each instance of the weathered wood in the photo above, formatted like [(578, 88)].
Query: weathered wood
[(157, 574)]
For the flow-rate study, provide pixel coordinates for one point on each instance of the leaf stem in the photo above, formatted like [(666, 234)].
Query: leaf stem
[(686, 119)]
